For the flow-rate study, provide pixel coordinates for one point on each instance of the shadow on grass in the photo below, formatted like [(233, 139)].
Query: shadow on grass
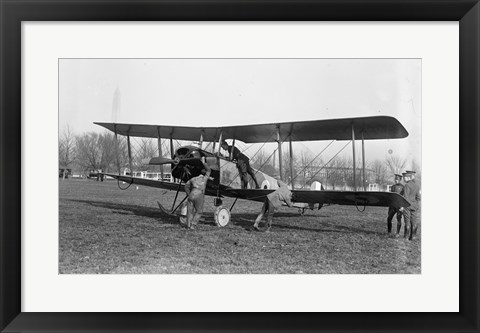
[(242, 220), (247, 220), (124, 209)]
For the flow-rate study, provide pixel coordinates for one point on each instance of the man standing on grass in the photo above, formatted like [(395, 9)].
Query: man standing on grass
[(273, 201), (396, 188), (412, 195), (195, 190)]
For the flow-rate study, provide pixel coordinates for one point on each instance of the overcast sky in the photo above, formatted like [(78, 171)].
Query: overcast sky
[(225, 92)]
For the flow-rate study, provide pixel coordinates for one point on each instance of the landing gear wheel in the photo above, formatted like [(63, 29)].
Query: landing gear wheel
[(222, 216)]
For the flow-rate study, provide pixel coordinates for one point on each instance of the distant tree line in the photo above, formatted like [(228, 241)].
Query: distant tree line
[(93, 151)]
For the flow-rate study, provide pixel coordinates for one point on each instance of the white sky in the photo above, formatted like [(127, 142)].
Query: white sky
[(224, 92)]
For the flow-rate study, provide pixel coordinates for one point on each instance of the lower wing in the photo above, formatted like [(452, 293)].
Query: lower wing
[(156, 183), (350, 198), (145, 182)]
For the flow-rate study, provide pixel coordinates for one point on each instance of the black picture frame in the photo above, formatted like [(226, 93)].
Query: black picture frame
[(13, 12)]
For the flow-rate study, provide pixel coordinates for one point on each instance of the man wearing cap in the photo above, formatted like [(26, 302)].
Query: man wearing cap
[(272, 201), (243, 164), (412, 195), (396, 188), (195, 190)]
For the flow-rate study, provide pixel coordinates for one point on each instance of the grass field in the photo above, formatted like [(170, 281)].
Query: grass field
[(106, 230)]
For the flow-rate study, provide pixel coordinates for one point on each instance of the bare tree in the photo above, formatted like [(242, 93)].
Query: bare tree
[(308, 166), (336, 174), (380, 172), (264, 162), (108, 152), (348, 173), (88, 151), (99, 151), (286, 166), (395, 164), (146, 149), (260, 159), (66, 149)]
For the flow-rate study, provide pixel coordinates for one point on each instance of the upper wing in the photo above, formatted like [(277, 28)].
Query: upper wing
[(371, 128), (351, 198)]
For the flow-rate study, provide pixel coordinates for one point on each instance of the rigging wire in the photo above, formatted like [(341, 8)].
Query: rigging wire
[(256, 154), (312, 160), (268, 158), (323, 167), (260, 146), (242, 151)]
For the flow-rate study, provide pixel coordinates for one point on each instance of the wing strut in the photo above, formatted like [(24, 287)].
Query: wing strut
[(220, 141), (160, 153), (130, 164), (201, 138), (171, 146), (291, 158), (116, 148), (354, 166), (279, 152), (363, 164), (215, 142)]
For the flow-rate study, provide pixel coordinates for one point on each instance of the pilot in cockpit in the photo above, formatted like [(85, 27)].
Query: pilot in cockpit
[(243, 164)]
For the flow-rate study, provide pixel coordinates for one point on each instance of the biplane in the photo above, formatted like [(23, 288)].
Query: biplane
[(225, 181)]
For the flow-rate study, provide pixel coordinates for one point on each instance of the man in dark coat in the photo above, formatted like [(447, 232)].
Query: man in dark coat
[(396, 188), (412, 195), (243, 164)]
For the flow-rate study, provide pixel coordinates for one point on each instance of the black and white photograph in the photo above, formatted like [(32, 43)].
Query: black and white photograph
[(240, 166), (253, 166)]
